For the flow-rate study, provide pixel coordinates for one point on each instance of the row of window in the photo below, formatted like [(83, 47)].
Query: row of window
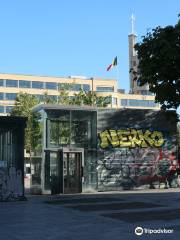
[(12, 96), (8, 96), (105, 89), (51, 85), (5, 109), (137, 103), (146, 92), (123, 102), (41, 85)]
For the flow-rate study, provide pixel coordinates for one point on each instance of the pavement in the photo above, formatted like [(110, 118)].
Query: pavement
[(96, 216)]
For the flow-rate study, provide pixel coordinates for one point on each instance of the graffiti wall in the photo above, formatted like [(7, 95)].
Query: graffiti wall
[(137, 149), (11, 186)]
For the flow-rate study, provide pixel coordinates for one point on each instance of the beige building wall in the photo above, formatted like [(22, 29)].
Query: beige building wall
[(103, 87)]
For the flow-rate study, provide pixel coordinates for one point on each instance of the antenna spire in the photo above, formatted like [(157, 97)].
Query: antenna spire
[(132, 23)]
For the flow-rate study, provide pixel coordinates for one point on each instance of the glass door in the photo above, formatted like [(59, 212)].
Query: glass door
[(72, 169), (52, 171), (63, 171)]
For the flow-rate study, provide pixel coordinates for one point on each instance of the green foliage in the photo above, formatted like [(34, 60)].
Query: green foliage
[(24, 103), (64, 98), (48, 99), (159, 64), (90, 98)]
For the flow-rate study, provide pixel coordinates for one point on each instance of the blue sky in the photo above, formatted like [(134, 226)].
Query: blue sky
[(75, 37)]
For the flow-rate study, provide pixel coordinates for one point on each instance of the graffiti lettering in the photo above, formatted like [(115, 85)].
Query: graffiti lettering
[(130, 138)]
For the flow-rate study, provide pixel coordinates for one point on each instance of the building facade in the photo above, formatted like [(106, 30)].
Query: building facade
[(12, 84)]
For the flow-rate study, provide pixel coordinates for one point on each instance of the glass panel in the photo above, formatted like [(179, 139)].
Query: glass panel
[(59, 133), (54, 172), (58, 128), (72, 172), (24, 84), (105, 89), (36, 174), (51, 85), (8, 109), (53, 164), (53, 97), (1, 82), (11, 83), (11, 96), (1, 109), (1, 96), (86, 87), (65, 170), (40, 97), (76, 87), (83, 129), (124, 102), (37, 84)]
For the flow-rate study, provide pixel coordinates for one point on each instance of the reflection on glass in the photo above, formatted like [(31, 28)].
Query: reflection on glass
[(59, 133)]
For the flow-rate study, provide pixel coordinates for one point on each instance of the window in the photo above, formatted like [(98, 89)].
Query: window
[(64, 86), (1, 96), (124, 102), (40, 97), (11, 83), (105, 89), (8, 109), (146, 92), (70, 87), (138, 103), (51, 85), (86, 87), (1, 82), (24, 84), (11, 96), (37, 84), (76, 87), (134, 102), (53, 97), (1, 109)]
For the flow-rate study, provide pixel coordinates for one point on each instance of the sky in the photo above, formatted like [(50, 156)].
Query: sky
[(76, 37)]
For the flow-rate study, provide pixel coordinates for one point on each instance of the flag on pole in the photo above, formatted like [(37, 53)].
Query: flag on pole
[(113, 64)]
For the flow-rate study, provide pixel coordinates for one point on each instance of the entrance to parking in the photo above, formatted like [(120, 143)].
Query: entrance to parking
[(63, 170)]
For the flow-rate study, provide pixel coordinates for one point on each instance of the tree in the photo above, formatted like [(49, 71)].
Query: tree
[(23, 105), (159, 64), (90, 98), (64, 98), (48, 99)]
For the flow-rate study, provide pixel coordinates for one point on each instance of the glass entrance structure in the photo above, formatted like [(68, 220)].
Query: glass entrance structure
[(68, 137)]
